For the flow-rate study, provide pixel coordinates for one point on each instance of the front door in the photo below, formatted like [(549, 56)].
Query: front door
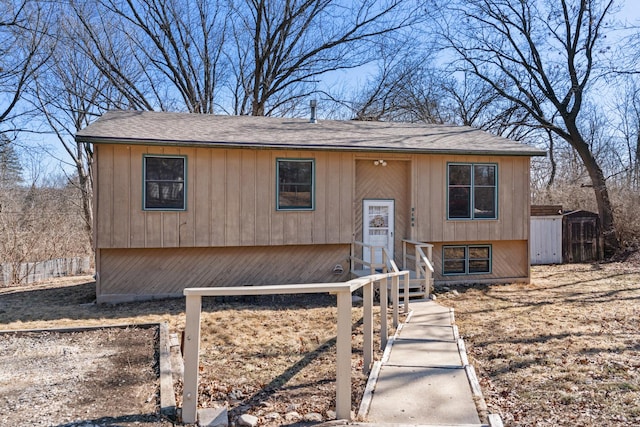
[(377, 227)]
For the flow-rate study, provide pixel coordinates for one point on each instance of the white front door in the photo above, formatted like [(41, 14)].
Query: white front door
[(377, 228)]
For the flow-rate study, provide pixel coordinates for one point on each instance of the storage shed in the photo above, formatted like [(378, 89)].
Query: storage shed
[(558, 236), (545, 240), (581, 237)]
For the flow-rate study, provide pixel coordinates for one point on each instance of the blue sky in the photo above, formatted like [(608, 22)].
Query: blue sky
[(55, 160)]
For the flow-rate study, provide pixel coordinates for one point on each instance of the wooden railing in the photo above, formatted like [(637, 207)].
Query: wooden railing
[(390, 266), (422, 262), (342, 290), (366, 264)]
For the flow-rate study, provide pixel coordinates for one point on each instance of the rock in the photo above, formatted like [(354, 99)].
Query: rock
[(455, 293), (292, 416), (293, 407), (313, 417), (331, 415), (272, 416), (247, 420), (236, 395)]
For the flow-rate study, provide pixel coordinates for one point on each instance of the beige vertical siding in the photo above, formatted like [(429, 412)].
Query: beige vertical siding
[(230, 200), (131, 274), (385, 182), (431, 199), (231, 233)]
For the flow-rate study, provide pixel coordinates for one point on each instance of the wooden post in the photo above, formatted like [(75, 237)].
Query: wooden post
[(372, 257), (191, 359), (418, 261), (395, 281), (367, 318), (343, 357), (384, 301), (406, 292), (430, 257), (353, 255), (404, 255)]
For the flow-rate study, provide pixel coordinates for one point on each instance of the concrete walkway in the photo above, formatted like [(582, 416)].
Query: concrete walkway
[(424, 377)]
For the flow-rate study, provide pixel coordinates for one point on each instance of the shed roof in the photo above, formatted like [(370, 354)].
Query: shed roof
[(546, 210), (162, 128)]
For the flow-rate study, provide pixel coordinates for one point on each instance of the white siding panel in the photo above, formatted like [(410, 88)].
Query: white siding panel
[(546, 240)]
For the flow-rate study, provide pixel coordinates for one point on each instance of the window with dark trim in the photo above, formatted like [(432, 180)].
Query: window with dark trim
[(472, 191), (164, 182), (466, 259), (295, 184)]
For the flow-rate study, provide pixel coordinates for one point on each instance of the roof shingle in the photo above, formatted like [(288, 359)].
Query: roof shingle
[(161, 128)]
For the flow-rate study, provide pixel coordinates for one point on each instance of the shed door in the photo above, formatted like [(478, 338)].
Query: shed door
[(377, 227), (583, 239), (545, 240)]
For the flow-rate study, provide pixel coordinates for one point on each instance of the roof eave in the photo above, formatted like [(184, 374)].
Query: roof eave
[(272, 146)]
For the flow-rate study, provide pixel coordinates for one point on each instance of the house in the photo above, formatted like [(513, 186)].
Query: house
[(186, 200)]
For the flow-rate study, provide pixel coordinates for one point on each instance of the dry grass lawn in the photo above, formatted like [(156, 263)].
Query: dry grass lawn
[(268, 356), (561, 351)]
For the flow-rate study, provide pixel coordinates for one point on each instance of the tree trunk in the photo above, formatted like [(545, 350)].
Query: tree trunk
[(636, 164), (605, 210), (552, 159)]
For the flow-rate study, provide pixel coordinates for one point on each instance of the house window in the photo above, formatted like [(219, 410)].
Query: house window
[(472, 192), (295, 184), (164, 182), (466, 259)]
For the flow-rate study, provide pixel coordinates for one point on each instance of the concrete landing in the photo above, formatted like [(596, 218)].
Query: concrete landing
[(423, 380)]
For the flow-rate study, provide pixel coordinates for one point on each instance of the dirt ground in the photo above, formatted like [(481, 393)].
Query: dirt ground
[(561, 351), (80, 378), (273, 357)]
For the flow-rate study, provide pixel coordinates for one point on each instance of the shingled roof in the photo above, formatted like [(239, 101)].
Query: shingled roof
[(161, 128)]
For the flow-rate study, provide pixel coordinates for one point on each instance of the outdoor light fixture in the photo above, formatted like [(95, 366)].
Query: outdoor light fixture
[(379, 162)]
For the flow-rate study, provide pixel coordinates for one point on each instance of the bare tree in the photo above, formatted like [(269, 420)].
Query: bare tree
[(70, 93), (541, 55), (412, 92), (38, 223), (23, 50), (406, 88), (282, 47), (159, 54), (627, 112)]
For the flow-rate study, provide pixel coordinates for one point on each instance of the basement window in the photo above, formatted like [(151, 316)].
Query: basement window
[(295, 184), (466, 259), (164, 182)]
